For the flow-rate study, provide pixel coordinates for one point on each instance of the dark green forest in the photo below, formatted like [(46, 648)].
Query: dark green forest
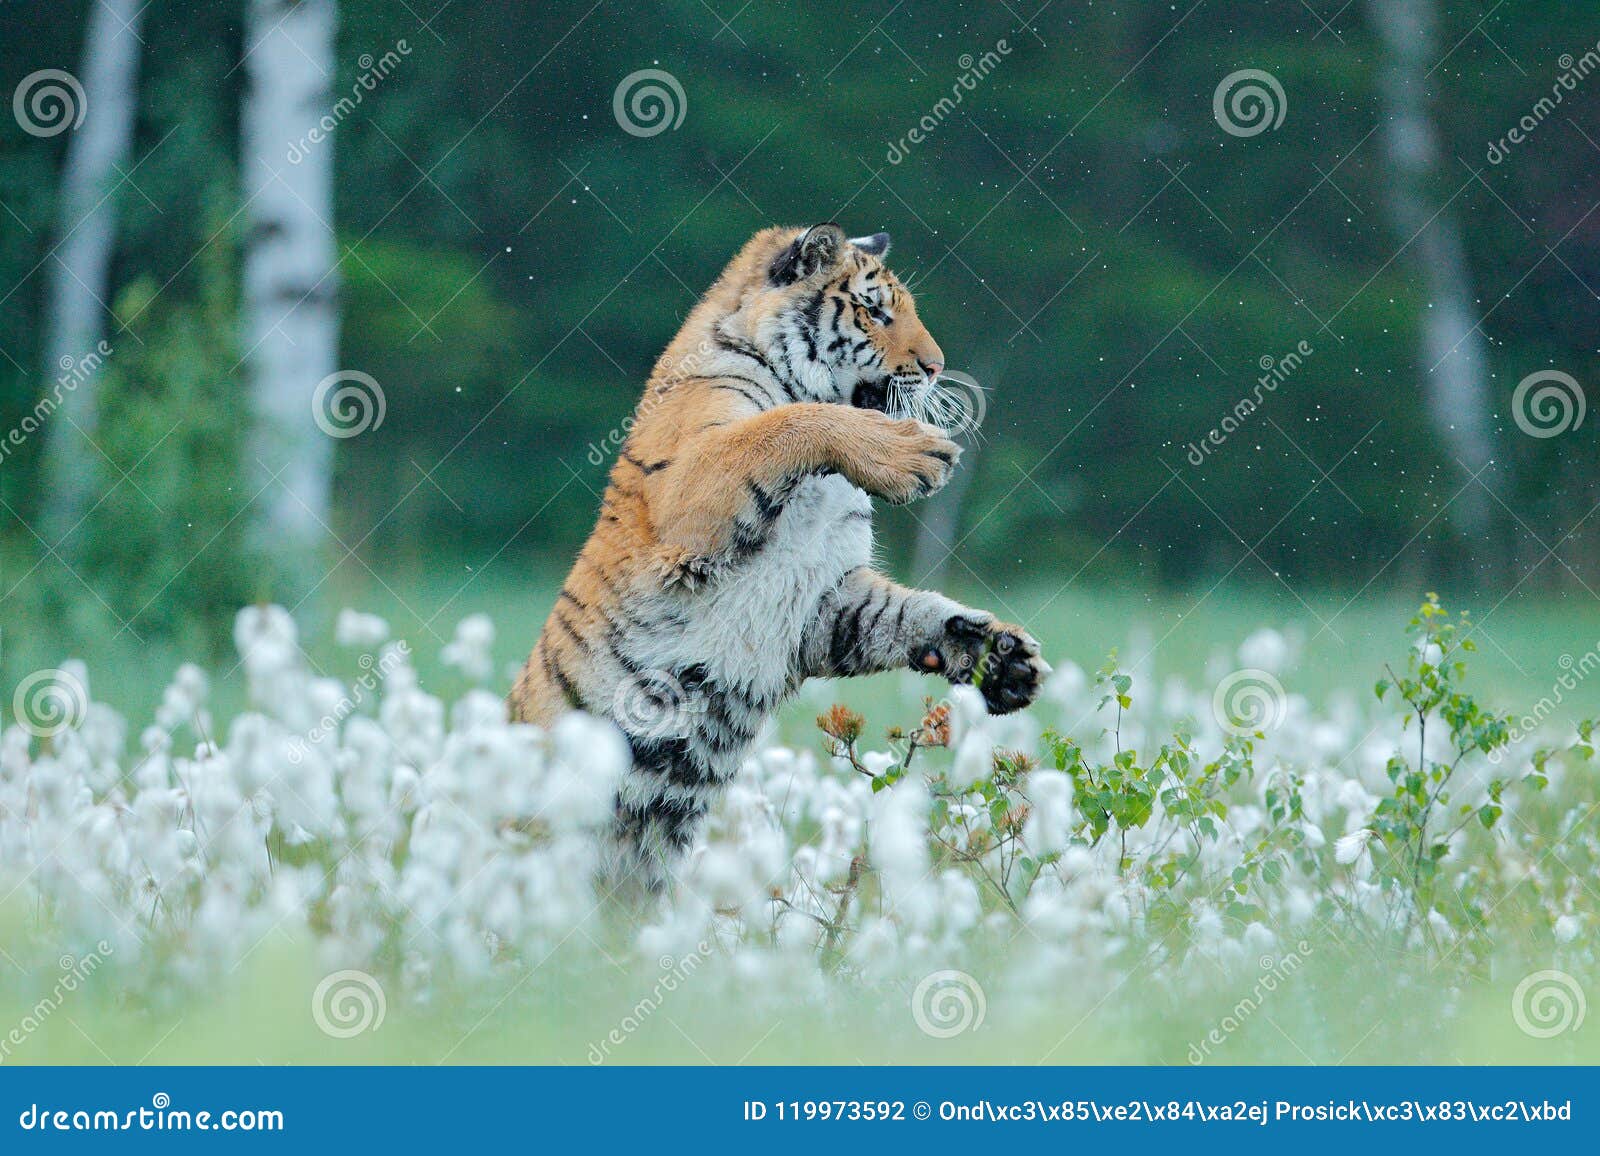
[(1090, 232)]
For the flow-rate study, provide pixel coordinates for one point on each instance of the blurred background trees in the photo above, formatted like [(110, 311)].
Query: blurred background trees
[(477, 234)]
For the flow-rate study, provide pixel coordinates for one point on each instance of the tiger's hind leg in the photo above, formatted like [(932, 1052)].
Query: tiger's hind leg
[(648, 841)]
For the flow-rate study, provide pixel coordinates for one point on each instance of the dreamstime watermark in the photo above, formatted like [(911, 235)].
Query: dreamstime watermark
[(972, 71), (947, 1003), (75, 970), (654, 704), (1276, 370), (1548, 1003), (348, 1003), (957, 403), (1575, 671), (347, 404), (1274, 973), (373, 674), (691, 366), (1248, 701), (74, 372), (373, 72), (160, 1116), (48, 702), (1249, 102), (674, 972), (1548, 403), (1572, 71), (49, 102), (649, 102)]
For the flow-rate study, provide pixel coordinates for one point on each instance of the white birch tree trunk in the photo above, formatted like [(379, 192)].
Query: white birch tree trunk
[(1455, 383), (79, 273), (290, 290)]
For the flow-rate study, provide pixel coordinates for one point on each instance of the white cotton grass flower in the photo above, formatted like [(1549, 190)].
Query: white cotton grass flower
[(960, 904), (1066, 686), (588, 758), (266, 639), (879, 762), (1260, 940), (836, 844), (898, 838), (1348, 848), (183, 700), (1355, 798), (1049, 823), (359, 631), (973, 763), (469, 651), (1299, 906), (1440, 926), (1429, 652), (1266, 649), (438, 843), (968, 713)]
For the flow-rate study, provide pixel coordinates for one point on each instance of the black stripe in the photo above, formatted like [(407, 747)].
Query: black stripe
[(602, 577), (657, 756), (842, 336), (738, 345), (727, 376), (746, 540), (561, 621), (810, 321), (882, 610), (764, 399), (846, 635), (758, 402), (677, 819), (643, 467), (553, 669), (745, 349), (610, 588), (768, 507)]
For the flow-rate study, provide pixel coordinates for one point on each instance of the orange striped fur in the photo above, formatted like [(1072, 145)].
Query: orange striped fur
[(730, 560)]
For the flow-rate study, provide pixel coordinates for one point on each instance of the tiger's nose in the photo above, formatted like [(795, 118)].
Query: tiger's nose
[(932, 368)]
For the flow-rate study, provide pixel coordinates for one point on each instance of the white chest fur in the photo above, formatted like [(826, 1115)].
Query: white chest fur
[(746, 623)]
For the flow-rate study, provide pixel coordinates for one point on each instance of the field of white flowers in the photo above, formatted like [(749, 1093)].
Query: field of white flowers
[(1214, 872)]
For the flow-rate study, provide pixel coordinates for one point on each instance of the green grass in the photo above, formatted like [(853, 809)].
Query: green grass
[(1159, 634), (1337, 1008)]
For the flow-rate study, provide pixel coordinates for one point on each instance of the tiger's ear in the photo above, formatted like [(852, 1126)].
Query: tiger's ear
[(816, 249), (876, 245)]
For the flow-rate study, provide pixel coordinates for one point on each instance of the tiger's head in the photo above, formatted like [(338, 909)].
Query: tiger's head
[(824, 310)]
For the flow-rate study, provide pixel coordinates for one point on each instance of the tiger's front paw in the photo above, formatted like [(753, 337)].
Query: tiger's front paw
[(906, 460), (1001, 660)]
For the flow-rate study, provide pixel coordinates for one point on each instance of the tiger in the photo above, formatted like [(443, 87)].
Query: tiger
[(732, 557)]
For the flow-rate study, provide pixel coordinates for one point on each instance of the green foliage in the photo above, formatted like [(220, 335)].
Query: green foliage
[(165, 544), (1405, 849), (1408, 846), (1149, 298), (1180, 804)]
